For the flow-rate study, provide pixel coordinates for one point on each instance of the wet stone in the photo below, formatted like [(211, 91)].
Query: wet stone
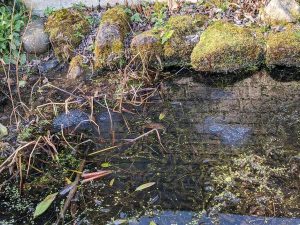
[(48, 65)]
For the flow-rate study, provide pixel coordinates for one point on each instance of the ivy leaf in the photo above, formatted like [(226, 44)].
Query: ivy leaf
[(44, 205), (144, 186), (136, 18)]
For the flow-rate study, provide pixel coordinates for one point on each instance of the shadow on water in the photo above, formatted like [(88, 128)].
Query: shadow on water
[(285, 74)]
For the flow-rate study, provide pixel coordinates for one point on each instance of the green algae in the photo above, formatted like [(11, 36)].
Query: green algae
[(66, 28), (225, 47), (283, 48)]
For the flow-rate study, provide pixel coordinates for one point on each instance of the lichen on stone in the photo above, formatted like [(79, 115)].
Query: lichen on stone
[(179, 46), (109, 44), (225, 47), (66, 28), (283, 48)]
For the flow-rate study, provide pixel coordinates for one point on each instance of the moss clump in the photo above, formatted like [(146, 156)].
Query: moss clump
[(66, 29), (283, 48), (109, 44), (225, 47), (147, 47), (179, 46)]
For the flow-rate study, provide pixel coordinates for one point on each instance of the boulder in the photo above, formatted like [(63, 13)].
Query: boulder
[(147, 48), (109, 43), (225, 47), (67, 28), (35, 40), (186, 31), (281, 11), (283, 48), (170, 45)]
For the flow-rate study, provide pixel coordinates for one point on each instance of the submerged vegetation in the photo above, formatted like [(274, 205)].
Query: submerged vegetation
[(85, 145)]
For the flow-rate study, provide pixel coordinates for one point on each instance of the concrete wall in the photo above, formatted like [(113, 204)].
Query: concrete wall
[(38, 6)]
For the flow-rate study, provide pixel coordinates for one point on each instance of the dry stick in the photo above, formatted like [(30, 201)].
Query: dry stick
[(71, 194), (12, 157), (29, 161), (111, 122)]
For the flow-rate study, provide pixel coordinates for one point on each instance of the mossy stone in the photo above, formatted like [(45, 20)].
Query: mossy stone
[(225, 47), (283, 48), (147, 48), (66, 28), (178, 48), (109, 44)]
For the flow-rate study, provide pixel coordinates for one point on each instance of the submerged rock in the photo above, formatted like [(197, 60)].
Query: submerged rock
[(105, 125), (232, 135), (224, 47), (73, 120), (281, 11), (283, 48), (66, 28), (35, 40), (110, 122), (109, 44)]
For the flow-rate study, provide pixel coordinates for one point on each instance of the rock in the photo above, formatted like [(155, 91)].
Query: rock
[(46, 66), (109, 44), (3, 131), (281, 11), (170, 46), (147, 48), (66, 28), (35, 40), (186, 29), (110, 123), (73, 120), (224, 47), (77, 121), (75, 68), (283, 48)]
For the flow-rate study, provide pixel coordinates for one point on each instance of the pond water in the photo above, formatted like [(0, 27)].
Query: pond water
[(229, 148), (232, 148)]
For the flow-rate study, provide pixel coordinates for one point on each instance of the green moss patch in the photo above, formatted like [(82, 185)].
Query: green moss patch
[(283, 48), (170, 45), (66, 28), (224, 47), (178, 48), (109, 44)]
